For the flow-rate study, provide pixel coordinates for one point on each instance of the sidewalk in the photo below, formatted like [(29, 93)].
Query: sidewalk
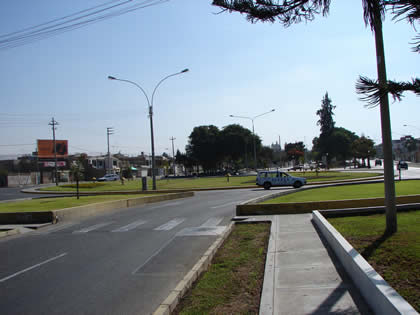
[(302, 276)]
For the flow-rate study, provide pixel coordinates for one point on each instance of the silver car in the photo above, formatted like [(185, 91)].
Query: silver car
[(109, 177), (267, 179)]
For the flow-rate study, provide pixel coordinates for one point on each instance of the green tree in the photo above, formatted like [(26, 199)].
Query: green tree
[(326, 114), (295, 151), (266, 156), (341, 141), (295, 11), (236, 142), (410, 144), (364, 148), (204, 146)]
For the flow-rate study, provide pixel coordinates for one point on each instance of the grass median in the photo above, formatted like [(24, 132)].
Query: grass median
[(396, 258), (203, 182), (346, 192), (47, 204), (233, 283)]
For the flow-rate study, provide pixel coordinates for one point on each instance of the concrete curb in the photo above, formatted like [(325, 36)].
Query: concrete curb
[(380, 296), (249, 209), (84, 211), (9, 233), (170, 303)]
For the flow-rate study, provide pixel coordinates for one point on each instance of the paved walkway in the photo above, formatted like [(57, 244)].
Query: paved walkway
[(302, 275)]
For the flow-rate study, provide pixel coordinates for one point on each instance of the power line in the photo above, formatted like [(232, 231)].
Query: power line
[(16, 145), (72, 21)]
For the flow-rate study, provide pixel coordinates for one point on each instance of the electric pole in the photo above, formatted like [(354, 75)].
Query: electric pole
[(109, 131), (173, 154), (53, 123)]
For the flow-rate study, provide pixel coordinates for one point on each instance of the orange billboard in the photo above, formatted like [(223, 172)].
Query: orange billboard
[(46, 148)]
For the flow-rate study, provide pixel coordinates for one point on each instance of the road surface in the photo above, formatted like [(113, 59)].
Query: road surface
[(122, 263)]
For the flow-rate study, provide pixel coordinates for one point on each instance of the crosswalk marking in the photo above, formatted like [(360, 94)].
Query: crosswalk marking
[(93, 227), (213, 221), (226, 204), (170, 225), (167, 205), (58, 227), (130, 226)]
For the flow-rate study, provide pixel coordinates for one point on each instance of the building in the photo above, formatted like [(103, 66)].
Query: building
[(400, 149)]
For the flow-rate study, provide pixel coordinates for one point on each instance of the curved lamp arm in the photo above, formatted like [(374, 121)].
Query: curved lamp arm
[(160, 82), (144, 92)]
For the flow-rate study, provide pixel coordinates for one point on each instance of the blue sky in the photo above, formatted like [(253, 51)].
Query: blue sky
[(235, 67)]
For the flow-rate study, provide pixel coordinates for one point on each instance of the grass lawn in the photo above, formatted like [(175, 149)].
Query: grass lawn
[(46, 204), (395, 258), (203, 182), (233, 283), (411, 187)]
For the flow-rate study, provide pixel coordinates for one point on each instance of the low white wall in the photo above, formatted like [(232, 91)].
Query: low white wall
[(380, 296)]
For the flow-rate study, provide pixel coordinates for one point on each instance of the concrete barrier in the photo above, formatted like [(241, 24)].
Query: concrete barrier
[(308, 207), (26, 217), (380, 296)]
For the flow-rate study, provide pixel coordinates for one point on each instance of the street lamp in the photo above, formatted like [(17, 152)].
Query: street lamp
[(150, 104), (253, 134), (412, 126)]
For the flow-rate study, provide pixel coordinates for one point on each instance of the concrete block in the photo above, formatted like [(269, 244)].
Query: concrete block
[(381, 297), (162, 310), (172, 300)]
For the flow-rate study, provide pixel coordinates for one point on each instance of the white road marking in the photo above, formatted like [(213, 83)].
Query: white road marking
[(59, 227), (93, 227), (167, 205), (33, 267), (130, 226), (212, 221), (226, 204), (170, 225), (154, 254)]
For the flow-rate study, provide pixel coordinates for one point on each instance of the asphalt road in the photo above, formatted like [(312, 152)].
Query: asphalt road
[(122, 263), (13, 193)]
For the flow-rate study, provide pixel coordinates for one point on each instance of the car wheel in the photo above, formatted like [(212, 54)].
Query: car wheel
[(267, 185), (297, 184)]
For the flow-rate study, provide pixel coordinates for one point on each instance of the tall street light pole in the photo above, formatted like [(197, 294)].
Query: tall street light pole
[(109, 131), (173, 154), (150, 104), (253, 133), (53, 123)]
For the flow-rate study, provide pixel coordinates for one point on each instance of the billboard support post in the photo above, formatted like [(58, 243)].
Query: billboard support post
[(53, 123)]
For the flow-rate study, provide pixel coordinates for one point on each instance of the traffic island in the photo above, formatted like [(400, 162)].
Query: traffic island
[(89, 210)]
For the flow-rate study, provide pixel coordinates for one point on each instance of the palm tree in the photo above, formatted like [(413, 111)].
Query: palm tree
[(289, 12)]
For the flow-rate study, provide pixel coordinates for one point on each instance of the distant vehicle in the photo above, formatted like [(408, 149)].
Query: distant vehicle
[(268, 179), (109, 177), (378, 162), (296, 167), (402, 165)]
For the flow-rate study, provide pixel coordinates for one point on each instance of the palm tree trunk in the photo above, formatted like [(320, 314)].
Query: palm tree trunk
[(391, 212)]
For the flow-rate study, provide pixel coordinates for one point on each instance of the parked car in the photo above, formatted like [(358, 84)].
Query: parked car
[(267, 179), (109, 177), (402, 165), (378, 162), (296, 167)]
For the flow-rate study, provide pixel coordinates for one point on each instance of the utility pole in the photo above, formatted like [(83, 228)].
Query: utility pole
[(109, 131), (173, 153), (53, 123)]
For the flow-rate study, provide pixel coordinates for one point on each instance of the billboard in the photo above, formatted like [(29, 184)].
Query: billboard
[(46, 148)]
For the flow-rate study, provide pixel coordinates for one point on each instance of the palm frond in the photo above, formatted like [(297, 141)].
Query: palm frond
[(286, 12), (373, 92)]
